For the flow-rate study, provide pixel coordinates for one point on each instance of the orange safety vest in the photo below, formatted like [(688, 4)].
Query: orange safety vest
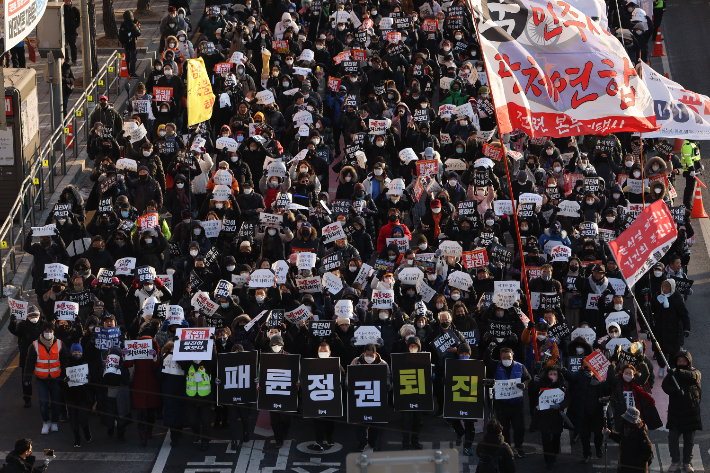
[(48, 363)]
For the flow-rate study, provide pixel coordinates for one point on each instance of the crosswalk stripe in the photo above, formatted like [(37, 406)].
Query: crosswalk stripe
[(664, 457)]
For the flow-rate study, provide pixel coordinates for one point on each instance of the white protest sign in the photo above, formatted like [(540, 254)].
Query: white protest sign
[(560, 253), (450, 248), (382, 298), (531, 198), (446, 110), (396, 187), (176, 315), (333, 232), (332, 282), (47, 230), (305, 260), (226, 142), (306, 55), (407, 155), (139, 349), (460, 280), (410, 276), (277, 168), (366, 334), (378, 127), (302, 117), (220, 193), (507, 388), (65, 310), (212, 228), (344, 309), (619, 286), (362, 275), (612, 343), (222, 177), (620, 317), (504, 300), (402, 243), (465, 110), (511, 287), (280, 269), (303, 130), (125, 266), (194, 344), (549, 397), (78, 375), (302, 312), (425, 291), (568, 208), (127, 164), (265, 97), (261, 278), (171, 366), (301, 71), (18, 309), (503, 207), (149, 305), (455, 165), (587, 333)]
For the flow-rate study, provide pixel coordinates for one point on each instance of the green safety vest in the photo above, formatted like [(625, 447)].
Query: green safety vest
[(658, 3), (688, 156), (198, 382)]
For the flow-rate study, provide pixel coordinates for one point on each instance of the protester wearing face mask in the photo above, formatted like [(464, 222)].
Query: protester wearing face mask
[(549, 421), (47, 357), (146, 188), (44, 253), (627, 383), (368, 434), (509, 412), (444, 323), (671, 304), (26, 331), (392, 227), (106, 114), (615, 309), (632, 194)]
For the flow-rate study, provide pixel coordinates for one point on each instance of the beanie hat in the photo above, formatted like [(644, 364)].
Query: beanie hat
[(276, 340), (32, 310), (463, 348), (421, 239), (359, 187), (76, 347), (435, 204)]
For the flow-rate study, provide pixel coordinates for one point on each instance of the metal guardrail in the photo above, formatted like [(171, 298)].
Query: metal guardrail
[(39, 183)]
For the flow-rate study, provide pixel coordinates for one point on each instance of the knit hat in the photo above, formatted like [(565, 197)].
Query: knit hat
[(276, 340), (435, 204), (32, 310), (143, 168), (415, 340), (522, 176), (359, 187), (463, 348), (421, 239), (76, 347)]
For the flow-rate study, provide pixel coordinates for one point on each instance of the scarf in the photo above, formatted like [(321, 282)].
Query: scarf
[(437, 229), (182, 197), (639, 394), (598, 289)]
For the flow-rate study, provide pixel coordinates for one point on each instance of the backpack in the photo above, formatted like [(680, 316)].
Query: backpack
[(489, 463), (123, 34)]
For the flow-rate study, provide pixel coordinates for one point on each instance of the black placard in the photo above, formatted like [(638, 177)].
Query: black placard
[(321, 329), (236, 373), (342, 207), (500, 253), (332, 261), (320, 387), (247, 230), (411, 378), (499, 329), (463, 389), (591, 184), (466, 208), (526, 210), (229, 226), (212, 257), (367, 393), (683, 285), (663, 148), (278, 375), (445, 341)]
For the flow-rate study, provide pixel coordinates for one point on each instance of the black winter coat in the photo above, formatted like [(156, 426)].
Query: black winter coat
[(635, 450), (683, 409)]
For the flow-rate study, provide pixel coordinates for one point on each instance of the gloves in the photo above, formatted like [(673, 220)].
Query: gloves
[(94, 283), (135, 283), (513, 338), (520, 386), (686, 333), (555, 407), (492, 345), (30, 232), (27, 383), (158, 283), (380, 342), (152, 352), (692, 173), (531, 325), (537, 365), (124, 352), (115, 281)]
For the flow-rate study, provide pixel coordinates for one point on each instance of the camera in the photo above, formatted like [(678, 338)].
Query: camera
[(49, 452)]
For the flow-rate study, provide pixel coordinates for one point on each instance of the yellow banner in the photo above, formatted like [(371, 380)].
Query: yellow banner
[(200, 98)]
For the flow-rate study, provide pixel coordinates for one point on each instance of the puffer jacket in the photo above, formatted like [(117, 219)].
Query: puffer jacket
[(683, 406)]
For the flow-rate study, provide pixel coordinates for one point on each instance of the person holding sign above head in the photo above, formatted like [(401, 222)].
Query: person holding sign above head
[(548, 419), (509, 411), (76, 393), (49, 250), (180, 198), (47, 359)]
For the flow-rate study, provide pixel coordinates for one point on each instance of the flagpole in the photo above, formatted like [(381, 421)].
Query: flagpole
[(640, 312), (523, 271)]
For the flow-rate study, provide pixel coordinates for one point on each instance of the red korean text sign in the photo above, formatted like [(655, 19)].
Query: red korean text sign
[(475, 259), (598, 363), (645, 242), (553, 71)]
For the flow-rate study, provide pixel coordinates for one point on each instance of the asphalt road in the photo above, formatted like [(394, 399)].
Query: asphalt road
[(686, 36)]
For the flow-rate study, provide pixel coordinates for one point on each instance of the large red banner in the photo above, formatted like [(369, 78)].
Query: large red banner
[(645, 242)]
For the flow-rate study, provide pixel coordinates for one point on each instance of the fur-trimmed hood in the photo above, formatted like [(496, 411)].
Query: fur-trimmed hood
[(655, 185), (579, 342), (78, 199), (655, 160), (345, 170)]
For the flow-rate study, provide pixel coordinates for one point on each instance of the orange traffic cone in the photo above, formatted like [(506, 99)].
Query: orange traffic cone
[(70, 136), (658, 49), (124, 67), (698, 210)]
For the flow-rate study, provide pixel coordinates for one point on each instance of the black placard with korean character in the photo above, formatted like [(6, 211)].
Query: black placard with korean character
[(500, 253), (212, 257), (321, 329), (278, 375), (683, 285), (229, 226), (247, 230), (445, 341), (236, 373), (367, 393), (320, 387), (591, 184), (499, 329), (526, 210), (332, 261), (463, 389), (411, 381), (559, 331), (349, 66)]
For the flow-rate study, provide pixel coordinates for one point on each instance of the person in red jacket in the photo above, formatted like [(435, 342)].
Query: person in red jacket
[(145, 388), (393, 226)]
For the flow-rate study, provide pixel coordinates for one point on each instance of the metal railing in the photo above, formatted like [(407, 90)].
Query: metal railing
[(38, 185)]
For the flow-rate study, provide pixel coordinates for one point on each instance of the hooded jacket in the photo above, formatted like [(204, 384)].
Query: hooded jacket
[(683, 405)]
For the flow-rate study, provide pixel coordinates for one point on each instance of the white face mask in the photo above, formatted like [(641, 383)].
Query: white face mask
[(610, 219), (423, 246), (378, 172), (549, 151), (507, 363), (616, 195), (193, 253), (384, 315), (558, 169), (273, 184), (180, 185), (655, 168), (272, 232), (218, 206), (148, 287), (304, 169), (658, 274), (48, 335), (614, 335), (490, 222), (323, 354), (277, 348), (353, 269), (170, 271), (414, 350), (629, 164), (452, 182), (197, 231), (456, 296), (248, 191), (148, 241), (657, 190), (146, 153), (618, 307), (580, 351), (436, 210), (590, 202), (637, 174), (348, 178), (369, 359), (162, 132), (431, 277), (260, 299), (541, 337)]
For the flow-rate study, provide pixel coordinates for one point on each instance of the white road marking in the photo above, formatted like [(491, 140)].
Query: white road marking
[(210, 461), (282, 458), (664, 457), (255, 457)]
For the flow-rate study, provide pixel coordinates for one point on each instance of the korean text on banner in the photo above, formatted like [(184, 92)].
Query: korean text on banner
[(573, 78), (200, 98), (21, 17), (645, 242)]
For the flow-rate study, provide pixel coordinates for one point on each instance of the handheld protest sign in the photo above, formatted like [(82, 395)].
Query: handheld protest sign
[(65, 310), (223, 289), (236, 373), (18, 309), (194, 344), (412, 382), (367, 396), (463, 389), (278, 376), (320, 388)]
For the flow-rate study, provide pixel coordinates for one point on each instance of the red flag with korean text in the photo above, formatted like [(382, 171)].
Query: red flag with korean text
[(553, 71), (645, 242)]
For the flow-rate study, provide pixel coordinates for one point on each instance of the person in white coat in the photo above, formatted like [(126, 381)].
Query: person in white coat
[(285, 23)]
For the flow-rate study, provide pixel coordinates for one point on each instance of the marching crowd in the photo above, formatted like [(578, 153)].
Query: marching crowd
[(352, 157)]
